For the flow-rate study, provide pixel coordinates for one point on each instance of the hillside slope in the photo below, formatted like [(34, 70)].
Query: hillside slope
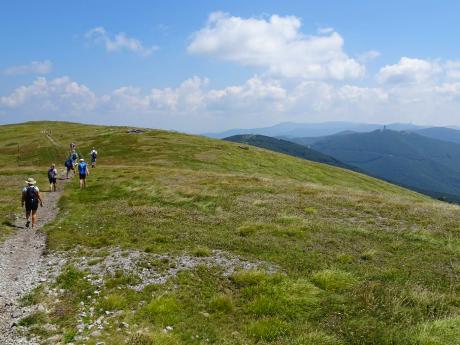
[(424, 164), (181, 239), (287, 147)]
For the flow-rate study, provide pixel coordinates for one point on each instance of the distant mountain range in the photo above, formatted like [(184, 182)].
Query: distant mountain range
[(439, 133), (409, 159), (287, 147), (425, 159), (293, 130)]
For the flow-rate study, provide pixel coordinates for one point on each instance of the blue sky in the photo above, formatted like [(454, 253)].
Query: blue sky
[(199, 66)]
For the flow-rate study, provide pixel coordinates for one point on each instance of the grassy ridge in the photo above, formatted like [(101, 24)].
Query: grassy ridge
[(360, 261)]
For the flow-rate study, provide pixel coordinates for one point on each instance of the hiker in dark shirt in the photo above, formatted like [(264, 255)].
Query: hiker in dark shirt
[(69, 166), (30, 199), (52, 177), (93, 155)]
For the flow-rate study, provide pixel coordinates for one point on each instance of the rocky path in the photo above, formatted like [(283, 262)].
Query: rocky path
[(22, 267)]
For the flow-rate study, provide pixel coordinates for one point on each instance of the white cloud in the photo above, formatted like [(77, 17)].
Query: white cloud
[(408, 70), (452, 69), (367, 56), (277, 45), (194, 95), (58, 94), (35, 67), (325, 30), (187, 97), (450, 90), (357, 94), (128, 97), (118, 42), (194, 105)]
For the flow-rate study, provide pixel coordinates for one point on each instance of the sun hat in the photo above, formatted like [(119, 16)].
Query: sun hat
[(31, 181), (82, 160)]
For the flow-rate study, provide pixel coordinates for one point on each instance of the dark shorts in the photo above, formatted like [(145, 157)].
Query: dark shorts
[(31, 205), (93, 160), (82, 176), (52, 179)]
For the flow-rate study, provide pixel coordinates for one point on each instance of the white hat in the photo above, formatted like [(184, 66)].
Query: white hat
[(31, 181), (82, 160)]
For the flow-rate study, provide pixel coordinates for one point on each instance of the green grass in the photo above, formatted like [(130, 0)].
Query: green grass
[(360, 261)]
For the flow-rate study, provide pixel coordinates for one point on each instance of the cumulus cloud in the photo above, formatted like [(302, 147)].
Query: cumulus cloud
[(194, 95), (51, 95), (452, 69), (276, 44), (35, 67), (195, 105), (408, 70), (118, 42)]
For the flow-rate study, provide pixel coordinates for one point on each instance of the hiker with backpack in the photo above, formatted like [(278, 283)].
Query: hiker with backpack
[(52, 177), (31, 198), (83, 172), (69, 166), (74, 157), (93, 155)]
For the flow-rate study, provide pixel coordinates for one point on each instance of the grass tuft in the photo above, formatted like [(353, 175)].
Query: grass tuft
[(268, 329), (248, 278), (201, 252), (333, 280), (221, 303)]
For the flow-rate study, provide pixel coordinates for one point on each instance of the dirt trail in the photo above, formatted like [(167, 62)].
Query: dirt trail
[(23, 266)]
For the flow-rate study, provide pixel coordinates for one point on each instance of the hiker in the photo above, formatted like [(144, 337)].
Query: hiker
[(31, 198), (93, 155), (83, 172), (69, 166), (52, 176), (72, 147), (74, 157)]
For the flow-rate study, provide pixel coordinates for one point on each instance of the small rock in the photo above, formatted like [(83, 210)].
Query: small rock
[(96, 334)]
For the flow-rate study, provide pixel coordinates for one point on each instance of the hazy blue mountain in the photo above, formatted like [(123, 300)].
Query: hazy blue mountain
[(287, 147), (296, 130), (308, 141), (428, 165), (441, 133)]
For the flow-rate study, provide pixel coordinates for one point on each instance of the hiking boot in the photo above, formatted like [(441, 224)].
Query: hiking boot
[(27, 223)]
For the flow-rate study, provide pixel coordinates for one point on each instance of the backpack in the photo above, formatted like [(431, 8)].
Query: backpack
[(93, 154), (51, 173), (74, 156), (31, 194), (82, 168), (68, 163)]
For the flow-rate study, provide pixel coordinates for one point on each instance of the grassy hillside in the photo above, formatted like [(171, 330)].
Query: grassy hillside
[(287, 147), (405, 158), (356, 260)]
